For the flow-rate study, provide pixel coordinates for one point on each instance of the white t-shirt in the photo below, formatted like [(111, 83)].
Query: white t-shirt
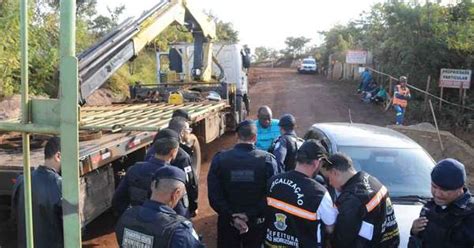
[(327, 212)]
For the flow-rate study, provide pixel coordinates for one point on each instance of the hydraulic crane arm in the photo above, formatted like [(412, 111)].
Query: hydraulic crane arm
[(99, 62)]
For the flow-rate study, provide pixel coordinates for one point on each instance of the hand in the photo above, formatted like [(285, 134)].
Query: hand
[(241, 216), (240, 225), (419, 225)]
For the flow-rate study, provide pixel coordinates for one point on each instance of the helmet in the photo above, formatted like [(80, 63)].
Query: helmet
[(403, 79)]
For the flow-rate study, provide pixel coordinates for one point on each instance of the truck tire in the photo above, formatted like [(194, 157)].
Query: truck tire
[(196, 155)]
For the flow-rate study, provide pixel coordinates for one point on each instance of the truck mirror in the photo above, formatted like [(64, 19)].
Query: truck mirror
[(245, 61)]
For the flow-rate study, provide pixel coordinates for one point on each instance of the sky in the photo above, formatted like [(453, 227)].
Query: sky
[(267, 22)]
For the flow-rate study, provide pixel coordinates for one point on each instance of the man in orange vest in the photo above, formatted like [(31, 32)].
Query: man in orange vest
[(400, 99)]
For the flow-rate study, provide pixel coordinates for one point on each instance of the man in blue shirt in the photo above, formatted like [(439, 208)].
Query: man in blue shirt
[(267, 128)]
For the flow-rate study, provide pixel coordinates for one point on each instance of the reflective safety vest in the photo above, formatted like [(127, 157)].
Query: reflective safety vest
[(404, 92)]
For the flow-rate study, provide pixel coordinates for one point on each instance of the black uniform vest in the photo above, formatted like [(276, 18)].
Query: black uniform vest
[(378, 211), (157, 232), (139, 186), (291, 216), (293, 143), (444, 228), (243, 177)]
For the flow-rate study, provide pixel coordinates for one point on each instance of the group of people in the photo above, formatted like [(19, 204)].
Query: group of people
[(272, 189), (370, 92)]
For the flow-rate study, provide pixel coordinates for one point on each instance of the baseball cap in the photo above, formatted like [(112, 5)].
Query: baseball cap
[(449, 174), (170, 172), (181, 113), (287, 120), (311, 150)]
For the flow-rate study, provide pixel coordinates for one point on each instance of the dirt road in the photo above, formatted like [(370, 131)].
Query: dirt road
[(310, 98)]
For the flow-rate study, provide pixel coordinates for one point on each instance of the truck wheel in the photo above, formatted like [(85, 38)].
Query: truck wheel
[(196, 155)]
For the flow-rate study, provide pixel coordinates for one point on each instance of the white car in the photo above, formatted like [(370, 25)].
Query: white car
[(401, 164), (308, 65)]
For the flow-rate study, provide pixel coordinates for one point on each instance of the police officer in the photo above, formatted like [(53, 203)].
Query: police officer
[(366, 217), (299, 208), (46, 185), (448, 219), (287, 144), (134, 188), (267, 128), (155, 223), (184, 162), (237, 183), (185, 145)]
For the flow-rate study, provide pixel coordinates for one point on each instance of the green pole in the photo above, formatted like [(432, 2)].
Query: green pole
[(69, 124), (25, 120)]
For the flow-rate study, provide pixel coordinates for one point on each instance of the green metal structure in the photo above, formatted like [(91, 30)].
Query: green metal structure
[(57, 116)]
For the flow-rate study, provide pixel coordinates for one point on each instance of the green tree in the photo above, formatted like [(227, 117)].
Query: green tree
[(295, 46)]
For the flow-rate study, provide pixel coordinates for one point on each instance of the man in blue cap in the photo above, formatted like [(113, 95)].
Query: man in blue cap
[(155, 223), (286, 146), (134, 188), (237, 183), (448, 219)]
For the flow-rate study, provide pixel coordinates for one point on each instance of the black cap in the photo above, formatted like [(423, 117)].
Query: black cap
[(170, 172), (449, 174), (287, 120), (245, 123), (311, 150), (167, 134), (181, 113)]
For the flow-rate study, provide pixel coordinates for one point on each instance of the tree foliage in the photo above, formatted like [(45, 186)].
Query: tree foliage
[(265, 53), (295, 46), (410, 39)]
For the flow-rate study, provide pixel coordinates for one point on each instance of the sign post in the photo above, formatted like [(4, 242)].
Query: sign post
[(457, 79), (356, 57)]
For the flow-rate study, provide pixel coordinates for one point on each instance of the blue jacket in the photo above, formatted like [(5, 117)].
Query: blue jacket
[(147, 220), (266, 136), (46, 185)]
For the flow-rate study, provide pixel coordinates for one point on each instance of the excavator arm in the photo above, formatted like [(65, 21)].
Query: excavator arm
[(99, 62)]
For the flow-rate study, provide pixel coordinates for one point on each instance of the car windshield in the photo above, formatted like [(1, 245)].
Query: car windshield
[(405, 172), (309, 62)]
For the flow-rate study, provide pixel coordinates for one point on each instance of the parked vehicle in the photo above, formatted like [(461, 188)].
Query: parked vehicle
[(308, 65), (401, 164)]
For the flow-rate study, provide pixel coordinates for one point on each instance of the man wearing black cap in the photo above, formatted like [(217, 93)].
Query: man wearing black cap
[(134, 188), (300, 210), (237, 183), (155, 223), (184, 162), (287, 144), (366, 216), (448, 219)]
